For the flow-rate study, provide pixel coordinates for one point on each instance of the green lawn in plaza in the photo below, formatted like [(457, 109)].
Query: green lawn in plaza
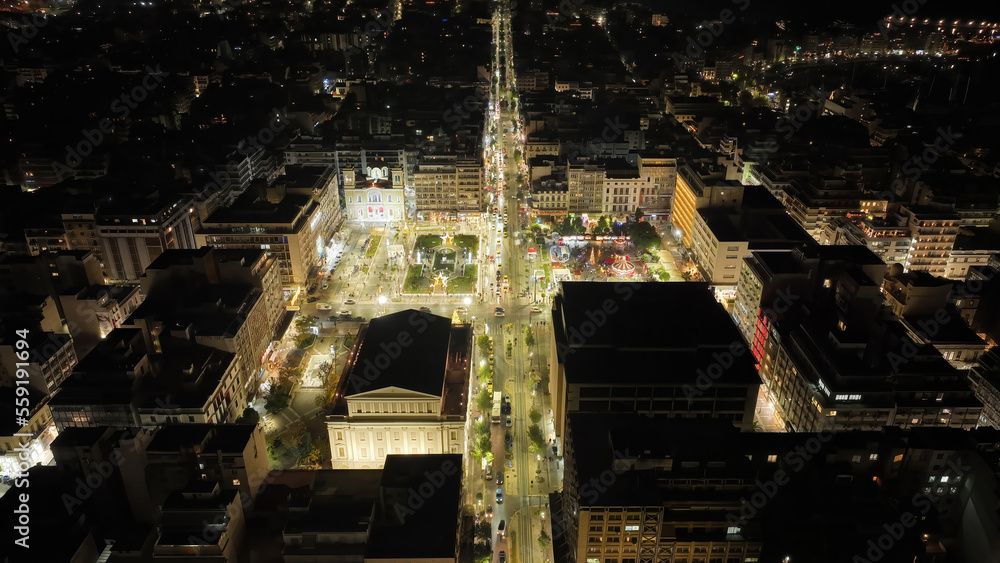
[(415, 282)]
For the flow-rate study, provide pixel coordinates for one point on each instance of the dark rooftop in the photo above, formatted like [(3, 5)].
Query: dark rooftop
[(420, 365)]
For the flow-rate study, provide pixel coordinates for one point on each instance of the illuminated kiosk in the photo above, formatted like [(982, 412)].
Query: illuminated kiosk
[(622, 268)]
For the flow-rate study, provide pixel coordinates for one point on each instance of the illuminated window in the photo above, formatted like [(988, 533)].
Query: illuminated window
[(236, 482), (772, 458), (873, 457)]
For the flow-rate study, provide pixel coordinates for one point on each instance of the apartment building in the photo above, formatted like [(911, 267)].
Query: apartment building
[(625, 190), (585, 182), (50, 361), (697, 188), (448, 186), (814, 201), (92, 312), (933, 232), (134, 233), (888, 242), (291, 220)]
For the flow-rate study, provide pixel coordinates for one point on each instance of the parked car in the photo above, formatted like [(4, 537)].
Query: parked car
[(345, 314), (326, 285), (350, 301), (489, 473), (312, 300), (425, 309), (507, 437), (509, 422)]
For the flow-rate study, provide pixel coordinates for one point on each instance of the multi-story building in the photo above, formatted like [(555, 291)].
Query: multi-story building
[(292, 221), (890, 243), (224, 301), (550, 198), (586, 187), (984, 379), (30, 439), (597, 328), (933, 232), (414, 405), (81, 230), (662, 173), (448, 185), (625, 190), (832, 357), (132, 234), (922, 303), (375, 195), (973, 247), (374, 520), (92, 312), (814, 201), (99, 393), (697, 189), (723, 236), (674, 486), (41, 240), (50, 361)]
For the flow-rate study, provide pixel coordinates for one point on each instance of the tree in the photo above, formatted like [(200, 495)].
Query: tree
[(348, 340), (537, 439), (529, 338), (544, 541), (535, 416), (484, 530), (278, 396), (484, 401), (485, 373), (249, 416), (643, 236), (603, 226), (485, 344), (745, 99)]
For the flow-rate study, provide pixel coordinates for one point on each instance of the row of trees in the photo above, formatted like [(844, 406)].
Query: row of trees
[(642, 234)]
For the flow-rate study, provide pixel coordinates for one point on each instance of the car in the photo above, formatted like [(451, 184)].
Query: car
[(462, 310), (500, 478), (502, 528), (323, 307), (425, 309), (506, 398), (499, 496), (312, 300), (345, 314), (499, 311), (536, 309), (326, 285), (489, 511), (507, 437), (332, 318), (350, 301), (489, 473), (509, 422), (503, 556)]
